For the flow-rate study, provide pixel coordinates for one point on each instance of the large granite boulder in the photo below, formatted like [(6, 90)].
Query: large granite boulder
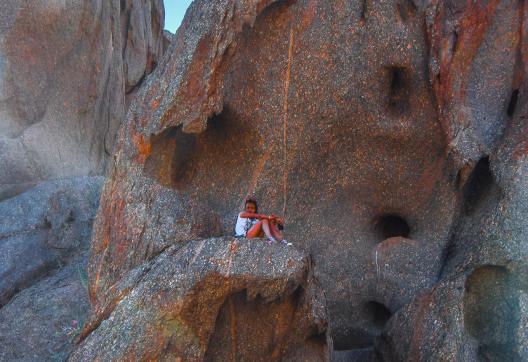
[(479, 309), (42, 322), (477, 316), (390, 134), (221, 299), (43, 228), (65, 71), (335, 129), (45, 235)]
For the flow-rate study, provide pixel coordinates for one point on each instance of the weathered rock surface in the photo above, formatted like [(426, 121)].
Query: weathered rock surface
[(42, 322), (65, 68), (479, 310), (478, 316), (66, 72), (43, 228), (292, 105), (45, 235), (214, 299), (390, 134)]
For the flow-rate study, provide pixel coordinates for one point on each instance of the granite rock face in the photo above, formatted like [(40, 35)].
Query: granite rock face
[(44, 241), (65, 71), (42, 322), (392, 137), (214, 299), (43, 228), (478, 310)]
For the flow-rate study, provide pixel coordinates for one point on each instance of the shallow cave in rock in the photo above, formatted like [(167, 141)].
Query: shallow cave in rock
[(354, 340), (398, 102), (171, 152), (379, 314), (492, 312), (176, 156), (215, 160), (255, 327), (392, 225), (478, 185)]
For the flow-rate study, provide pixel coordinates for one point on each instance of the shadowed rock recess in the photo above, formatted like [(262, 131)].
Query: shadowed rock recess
[(393, 137)]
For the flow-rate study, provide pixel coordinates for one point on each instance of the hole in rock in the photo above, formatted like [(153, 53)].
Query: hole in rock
[(454, 42), (363, 12), (392, 225), (398, 91), (178, 157), (171, 151), (406, 9), (379, 314), (492, 312), (246, 328), (513, 103), (478, 185)]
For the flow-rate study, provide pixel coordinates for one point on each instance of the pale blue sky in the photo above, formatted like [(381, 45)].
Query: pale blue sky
[(174, 12)]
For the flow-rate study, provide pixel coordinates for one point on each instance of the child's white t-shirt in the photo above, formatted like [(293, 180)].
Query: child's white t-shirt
[(243, 225)]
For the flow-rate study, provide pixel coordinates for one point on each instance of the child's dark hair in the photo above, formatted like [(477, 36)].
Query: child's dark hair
[(251, 200)]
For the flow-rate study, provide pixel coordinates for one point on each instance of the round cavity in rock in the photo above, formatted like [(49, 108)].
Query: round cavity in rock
[(379, 314), (392, 225)]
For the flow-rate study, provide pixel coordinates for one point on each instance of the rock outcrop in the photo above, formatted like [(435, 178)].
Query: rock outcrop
[(44, 228), (478, 309), (390, 134), (42, 322), (44, 240), (65, 71), (214, 299)]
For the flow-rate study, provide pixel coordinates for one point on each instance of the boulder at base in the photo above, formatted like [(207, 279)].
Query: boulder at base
[(45, 235), (215, 299)]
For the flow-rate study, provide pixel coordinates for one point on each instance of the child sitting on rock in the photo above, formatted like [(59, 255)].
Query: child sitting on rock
[(250, 224)]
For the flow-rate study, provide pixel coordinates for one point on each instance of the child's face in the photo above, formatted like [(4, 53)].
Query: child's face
[(250, 207)]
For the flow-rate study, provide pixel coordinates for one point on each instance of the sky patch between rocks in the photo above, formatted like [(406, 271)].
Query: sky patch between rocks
[(174, 13)]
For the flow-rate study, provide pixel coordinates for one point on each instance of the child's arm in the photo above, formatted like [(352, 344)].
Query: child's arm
[(277, 219), (253, 216)]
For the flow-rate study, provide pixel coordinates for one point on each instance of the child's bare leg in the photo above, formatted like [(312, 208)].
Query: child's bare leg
[(266, 228), (276, 232), (258, 228)]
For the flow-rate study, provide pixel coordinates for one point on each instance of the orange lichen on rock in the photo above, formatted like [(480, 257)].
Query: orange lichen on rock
[(144, 147)]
